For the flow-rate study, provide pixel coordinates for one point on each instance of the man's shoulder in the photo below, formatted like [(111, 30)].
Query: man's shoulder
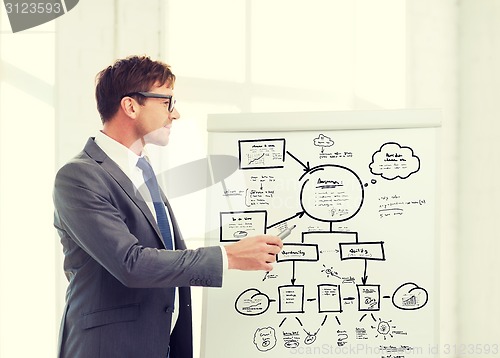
[(86, 161)]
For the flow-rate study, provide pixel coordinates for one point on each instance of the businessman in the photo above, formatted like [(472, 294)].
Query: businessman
[(128, 268)]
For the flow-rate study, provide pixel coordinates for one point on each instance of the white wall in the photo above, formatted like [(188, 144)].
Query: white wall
[(479, 171), (256, 55), (27, 141), (432, 80)]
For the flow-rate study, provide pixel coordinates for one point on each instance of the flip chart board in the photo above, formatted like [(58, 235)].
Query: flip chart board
[(358, 275)]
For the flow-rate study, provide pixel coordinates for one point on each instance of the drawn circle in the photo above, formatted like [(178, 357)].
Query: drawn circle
[(331, 193), (252, 302), (409, 296), (383, 327)]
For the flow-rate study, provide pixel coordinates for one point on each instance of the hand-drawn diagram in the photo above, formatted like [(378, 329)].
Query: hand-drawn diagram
[(330, 283)]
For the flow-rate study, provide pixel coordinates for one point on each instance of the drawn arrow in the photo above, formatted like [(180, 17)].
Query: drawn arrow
[(299, 214), (306, 167), (293, 273), (365, 278)]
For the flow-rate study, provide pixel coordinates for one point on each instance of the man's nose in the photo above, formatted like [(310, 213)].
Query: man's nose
[(175, 114)]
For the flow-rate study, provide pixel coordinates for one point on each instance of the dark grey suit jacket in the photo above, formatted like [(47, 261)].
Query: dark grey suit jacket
[(118, 270)]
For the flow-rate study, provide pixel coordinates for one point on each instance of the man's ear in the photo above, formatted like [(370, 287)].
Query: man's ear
[(130, 107)]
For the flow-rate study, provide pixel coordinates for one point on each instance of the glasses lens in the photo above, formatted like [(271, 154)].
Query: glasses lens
[(171, 104)]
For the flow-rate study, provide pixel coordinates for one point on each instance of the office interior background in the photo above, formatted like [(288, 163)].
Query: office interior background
[(252, 56)]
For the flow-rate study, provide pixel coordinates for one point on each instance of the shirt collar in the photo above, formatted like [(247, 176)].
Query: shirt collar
[(121, 155)]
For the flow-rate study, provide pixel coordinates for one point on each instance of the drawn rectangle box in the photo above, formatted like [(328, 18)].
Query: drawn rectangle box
[(368, 297), (362, 250), (298, 252), (236, 225), (329, 299), (337, 236), (291, 299), (262, 153)]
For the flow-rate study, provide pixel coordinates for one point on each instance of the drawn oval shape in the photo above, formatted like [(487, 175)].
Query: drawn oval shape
[(252, 302), (310, 339), (291, 344)]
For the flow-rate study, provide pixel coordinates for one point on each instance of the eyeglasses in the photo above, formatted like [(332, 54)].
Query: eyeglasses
[(171, 103)]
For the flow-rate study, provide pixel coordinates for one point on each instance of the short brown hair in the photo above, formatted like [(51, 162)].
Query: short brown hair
[(132, 74)]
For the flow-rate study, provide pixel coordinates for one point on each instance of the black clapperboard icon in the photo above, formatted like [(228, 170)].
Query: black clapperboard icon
[(25, 14)]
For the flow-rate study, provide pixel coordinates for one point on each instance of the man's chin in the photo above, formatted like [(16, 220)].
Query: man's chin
[(159, 137)]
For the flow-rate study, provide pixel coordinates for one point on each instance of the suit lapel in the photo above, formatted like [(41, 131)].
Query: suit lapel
[(97, 154)]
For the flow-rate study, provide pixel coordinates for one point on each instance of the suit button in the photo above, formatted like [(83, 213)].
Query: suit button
[(209, 282), (168, 309)]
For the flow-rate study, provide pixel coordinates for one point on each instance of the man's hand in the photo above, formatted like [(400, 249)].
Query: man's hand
[(254, 253)]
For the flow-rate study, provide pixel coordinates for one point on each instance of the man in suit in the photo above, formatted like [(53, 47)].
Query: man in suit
[(128, 293)]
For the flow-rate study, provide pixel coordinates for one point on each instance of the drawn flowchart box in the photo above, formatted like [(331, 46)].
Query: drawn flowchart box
[(312, 236), (368, 297), (362, 250), (291, 299), (329, 299), (262, 153), (298, 252), (236, 225)]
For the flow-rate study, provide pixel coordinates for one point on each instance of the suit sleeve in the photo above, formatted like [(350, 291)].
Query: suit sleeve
[(88, 215)]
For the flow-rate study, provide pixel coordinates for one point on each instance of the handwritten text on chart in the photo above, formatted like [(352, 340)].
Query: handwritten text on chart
[(390, 206)]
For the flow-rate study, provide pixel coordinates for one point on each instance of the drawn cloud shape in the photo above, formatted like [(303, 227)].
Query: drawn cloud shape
[(409, 296), (393, 161), (323, 141), (252, 302), (264, 339)]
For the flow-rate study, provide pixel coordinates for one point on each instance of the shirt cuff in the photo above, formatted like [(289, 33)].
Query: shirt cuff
[(225, 262)]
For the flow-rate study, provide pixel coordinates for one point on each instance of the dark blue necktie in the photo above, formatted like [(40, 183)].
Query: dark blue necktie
[(161, 212), (159, 205)]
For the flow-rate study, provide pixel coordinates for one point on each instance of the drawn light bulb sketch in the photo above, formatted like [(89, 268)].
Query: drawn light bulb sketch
[(330, 272), (383, 329)]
